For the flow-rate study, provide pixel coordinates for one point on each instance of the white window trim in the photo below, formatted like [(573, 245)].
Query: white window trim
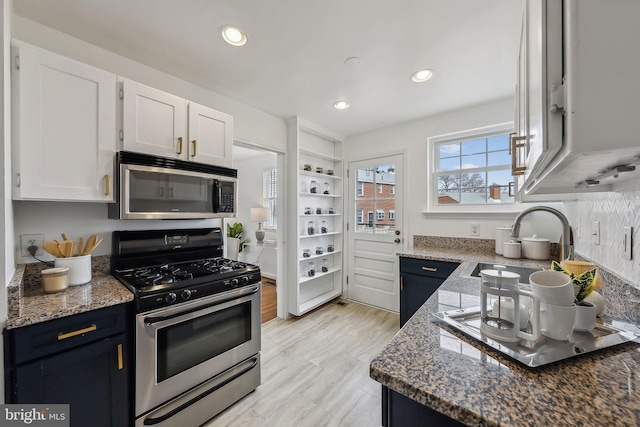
[(379, 188), (433, 208)]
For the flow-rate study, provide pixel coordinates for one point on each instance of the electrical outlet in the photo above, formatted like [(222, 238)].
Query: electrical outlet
[(595, 232), (627, 243), (475, 229), (27, 240)]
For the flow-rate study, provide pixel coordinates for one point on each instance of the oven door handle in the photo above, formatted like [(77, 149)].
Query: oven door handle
[(169, 410), (150, 321)]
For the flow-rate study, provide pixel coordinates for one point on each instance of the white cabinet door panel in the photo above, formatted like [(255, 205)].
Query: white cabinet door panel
[(154, 122), (210, 135), (64, 128)]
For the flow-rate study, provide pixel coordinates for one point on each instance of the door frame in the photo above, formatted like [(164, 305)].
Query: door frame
[(348, 244), (281, 271)]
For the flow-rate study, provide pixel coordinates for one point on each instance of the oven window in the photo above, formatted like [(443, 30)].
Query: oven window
[(187, 344), (161, 192)]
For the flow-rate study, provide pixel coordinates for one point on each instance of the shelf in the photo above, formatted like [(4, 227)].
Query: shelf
[(319, 175), (305, 279), (318, 301), (312, 257), (332, 233), (319, 195), (319, 155), (312, 215)]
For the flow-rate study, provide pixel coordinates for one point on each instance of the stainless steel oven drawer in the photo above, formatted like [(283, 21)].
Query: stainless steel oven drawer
[(208, 399)]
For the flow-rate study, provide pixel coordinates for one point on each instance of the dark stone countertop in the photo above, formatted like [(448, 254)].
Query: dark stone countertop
[(29, 304), (451, 373)]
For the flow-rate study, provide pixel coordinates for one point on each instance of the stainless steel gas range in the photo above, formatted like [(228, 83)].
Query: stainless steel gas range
[(197, 324)]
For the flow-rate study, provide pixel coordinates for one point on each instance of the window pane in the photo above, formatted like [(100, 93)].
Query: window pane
[(450, 164), (364, 217), (500, 142), (498, 158), (476, 161), (448, 183), (449, 150), (474, 147), (498, 182)]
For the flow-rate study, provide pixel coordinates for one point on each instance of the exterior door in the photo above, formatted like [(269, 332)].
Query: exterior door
[(375, 231)]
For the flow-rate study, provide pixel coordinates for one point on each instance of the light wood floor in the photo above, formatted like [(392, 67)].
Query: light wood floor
[(315, 370)]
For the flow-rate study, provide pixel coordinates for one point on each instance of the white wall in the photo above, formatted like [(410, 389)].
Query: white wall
[(411, 138), (82, 219)]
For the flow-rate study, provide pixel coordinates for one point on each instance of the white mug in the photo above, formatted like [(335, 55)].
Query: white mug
[(556, 321), (585, 316), (553, 287)]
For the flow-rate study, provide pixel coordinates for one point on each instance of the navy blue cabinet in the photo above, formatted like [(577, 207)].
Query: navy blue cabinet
[(81, 360), (419, 278)]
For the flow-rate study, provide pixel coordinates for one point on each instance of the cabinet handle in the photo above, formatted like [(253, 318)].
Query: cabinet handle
[(193, 153), (62, 336), (120, 362), (517, 143), (430, 269), (180, 145), (401, 283), (511, 135), (106, 185)]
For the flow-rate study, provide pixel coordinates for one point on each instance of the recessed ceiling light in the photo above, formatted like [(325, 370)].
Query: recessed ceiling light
[(422, 75), (341, 105), (233, 35)]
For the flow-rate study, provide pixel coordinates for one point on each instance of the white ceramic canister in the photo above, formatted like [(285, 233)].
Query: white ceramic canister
[(502, 235), (536, 248), (79, 268), (511, 249)]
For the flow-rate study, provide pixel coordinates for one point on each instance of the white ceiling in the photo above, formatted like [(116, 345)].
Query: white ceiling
[(294, 61)]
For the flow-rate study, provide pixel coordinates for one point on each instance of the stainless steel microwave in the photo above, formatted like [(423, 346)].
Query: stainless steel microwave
[(152, 187)]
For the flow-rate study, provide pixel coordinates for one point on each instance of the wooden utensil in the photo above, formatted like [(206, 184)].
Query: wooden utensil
[(80, 247), (95, 245), (65, 248), (64, 237), (91, 242), (51, 246)]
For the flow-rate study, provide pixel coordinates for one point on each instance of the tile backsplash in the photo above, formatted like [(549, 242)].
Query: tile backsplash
[(613, 211)]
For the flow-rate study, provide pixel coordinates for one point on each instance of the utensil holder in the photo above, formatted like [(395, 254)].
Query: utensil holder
[(79, 269)]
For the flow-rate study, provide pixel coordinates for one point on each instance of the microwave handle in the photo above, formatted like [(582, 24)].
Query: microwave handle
[(217, 195)]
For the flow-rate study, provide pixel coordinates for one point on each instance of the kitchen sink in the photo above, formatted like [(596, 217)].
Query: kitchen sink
[(523, 271)]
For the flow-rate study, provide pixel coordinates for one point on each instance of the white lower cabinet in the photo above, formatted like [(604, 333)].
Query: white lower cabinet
[(159, 123), (317, 201), (64, 123)]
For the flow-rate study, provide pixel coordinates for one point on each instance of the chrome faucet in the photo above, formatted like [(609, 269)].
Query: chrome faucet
[(567, 248)]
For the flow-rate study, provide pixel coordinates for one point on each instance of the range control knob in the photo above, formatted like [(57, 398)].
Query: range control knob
[(170, 298), (245, 279), (235, 282), (185, 294)]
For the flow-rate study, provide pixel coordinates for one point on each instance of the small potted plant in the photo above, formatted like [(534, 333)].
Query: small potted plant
[(583, 285), (235, 241)]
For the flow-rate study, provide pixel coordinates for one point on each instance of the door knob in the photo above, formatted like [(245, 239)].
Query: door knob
[(397, 240), (397, 232)]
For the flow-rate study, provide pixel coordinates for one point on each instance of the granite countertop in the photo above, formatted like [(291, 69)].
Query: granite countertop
[(29, 304), (470, 382)]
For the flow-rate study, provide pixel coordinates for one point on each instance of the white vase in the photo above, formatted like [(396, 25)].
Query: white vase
[(233, 244)]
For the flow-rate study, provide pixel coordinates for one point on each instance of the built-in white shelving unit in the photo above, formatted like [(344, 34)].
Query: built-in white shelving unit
[(317, 200)]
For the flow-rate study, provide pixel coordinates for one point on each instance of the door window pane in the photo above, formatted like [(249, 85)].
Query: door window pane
[(375, 196)]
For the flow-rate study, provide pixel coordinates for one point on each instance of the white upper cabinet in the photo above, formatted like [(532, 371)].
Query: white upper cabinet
[(210, 135), (577, 108), (162, 124), (64, 128), (153, 121)]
